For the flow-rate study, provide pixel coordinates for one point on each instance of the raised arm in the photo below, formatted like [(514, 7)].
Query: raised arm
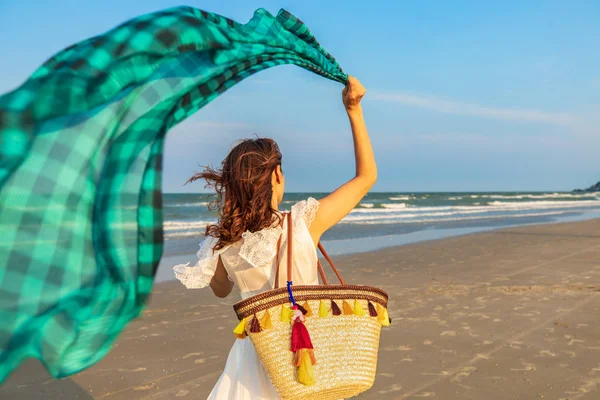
[(338, 204)]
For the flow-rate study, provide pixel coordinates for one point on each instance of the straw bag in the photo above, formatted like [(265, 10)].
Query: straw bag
[(315, 341)]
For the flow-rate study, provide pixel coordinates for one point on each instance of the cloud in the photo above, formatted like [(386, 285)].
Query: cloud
[(470, 109)]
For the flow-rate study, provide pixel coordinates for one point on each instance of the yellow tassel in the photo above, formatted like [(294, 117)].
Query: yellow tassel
[(307, 308), (286, 314), (358, 310), (386, 318), (240, 330), (323, 311), (306, 373), (346, 308), (380, 311), (265, 322)]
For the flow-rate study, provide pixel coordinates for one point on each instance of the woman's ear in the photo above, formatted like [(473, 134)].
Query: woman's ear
[(278, 174)]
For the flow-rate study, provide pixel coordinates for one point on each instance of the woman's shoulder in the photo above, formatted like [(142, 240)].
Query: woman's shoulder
[(304, 211)]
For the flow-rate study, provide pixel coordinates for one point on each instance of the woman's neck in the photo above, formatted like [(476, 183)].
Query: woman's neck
[(274, 202)]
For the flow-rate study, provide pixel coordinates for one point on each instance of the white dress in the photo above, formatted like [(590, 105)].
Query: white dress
[(250, 264)]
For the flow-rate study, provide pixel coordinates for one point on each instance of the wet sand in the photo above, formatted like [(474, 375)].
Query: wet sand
[(507, 314)]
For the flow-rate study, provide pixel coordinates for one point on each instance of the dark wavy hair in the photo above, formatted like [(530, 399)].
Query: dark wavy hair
[(244, 190)]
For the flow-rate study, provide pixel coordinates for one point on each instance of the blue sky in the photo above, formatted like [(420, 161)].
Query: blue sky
[(462, 95)]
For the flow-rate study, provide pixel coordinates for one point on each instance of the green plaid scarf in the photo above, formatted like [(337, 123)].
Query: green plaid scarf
[(81, 145)]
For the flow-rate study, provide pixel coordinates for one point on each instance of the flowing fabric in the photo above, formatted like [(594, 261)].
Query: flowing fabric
[(81, 145)]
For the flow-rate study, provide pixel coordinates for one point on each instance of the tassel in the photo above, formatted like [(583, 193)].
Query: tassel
[(265, 322), (358, 310), (306, 373), (323, 312), (286, 314), (335, 309), (300, 337), (306, 308), (255, 325), (383, 316), (380, 316), (347, 309), (302, 309), (240, 330), (372, 311), (386, 318), (301, 345)]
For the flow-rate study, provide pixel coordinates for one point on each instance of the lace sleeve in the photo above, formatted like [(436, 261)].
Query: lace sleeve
[(200, 275), (305, 211), (259, 248)]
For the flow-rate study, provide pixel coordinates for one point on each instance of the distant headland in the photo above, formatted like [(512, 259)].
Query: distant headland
[(593, 188)]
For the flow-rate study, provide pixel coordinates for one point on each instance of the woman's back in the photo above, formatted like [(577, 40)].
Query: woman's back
[(251, 263)]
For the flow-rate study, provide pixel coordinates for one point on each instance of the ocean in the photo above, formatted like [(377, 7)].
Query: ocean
[(385, 219)]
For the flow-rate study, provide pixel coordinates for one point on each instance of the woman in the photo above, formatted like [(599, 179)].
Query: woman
[(240, 249)]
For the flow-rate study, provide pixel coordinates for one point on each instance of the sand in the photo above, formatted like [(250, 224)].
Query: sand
[(507, 314)]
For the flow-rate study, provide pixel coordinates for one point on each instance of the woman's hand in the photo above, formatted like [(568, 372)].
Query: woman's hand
[(353, 94)]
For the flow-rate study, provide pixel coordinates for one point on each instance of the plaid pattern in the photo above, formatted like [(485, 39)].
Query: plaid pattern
[(81, 146)]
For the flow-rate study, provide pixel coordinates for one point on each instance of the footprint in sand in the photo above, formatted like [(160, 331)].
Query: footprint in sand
[(526, 367), (546, 353), (445, 351), (144, 387), (190, 355), (393, 388), (200, 361), (442, 373), (131, 370), (572, 341), (182, 392), (448, 333), (397, 348), (427, 342), (463, 373)]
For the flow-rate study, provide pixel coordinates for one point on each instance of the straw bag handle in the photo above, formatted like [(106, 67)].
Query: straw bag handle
[(289, 257)]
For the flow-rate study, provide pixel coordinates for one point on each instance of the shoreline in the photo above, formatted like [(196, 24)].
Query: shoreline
[(504, 314), (371, 244)]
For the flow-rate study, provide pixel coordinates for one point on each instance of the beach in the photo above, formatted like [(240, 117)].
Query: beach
[(503, 314)]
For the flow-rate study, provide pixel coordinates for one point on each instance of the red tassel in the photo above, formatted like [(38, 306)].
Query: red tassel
[(255, 326), (372, 310), (335, 309), (302, 347), (300, 337)]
